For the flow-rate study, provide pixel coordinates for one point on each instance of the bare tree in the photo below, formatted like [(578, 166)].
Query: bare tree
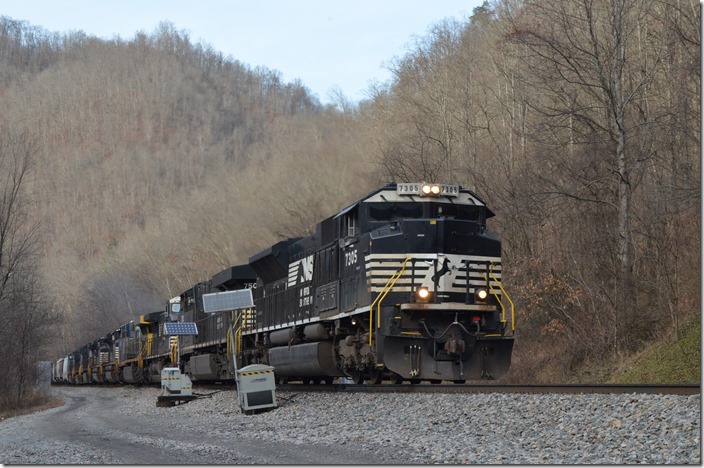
[(576, 52), (18, 235), (414, 124), (22, 306)]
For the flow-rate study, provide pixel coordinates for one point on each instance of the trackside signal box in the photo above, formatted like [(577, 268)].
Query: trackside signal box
[(256, 388), (176, 387)]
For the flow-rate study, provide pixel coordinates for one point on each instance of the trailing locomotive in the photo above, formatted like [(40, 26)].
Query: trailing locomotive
[(403, 284)]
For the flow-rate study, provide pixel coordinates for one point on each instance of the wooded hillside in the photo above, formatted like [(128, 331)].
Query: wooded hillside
[(153, 163), (579, 122)]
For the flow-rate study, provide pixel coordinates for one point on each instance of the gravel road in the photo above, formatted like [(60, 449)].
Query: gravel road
[(122, 425)]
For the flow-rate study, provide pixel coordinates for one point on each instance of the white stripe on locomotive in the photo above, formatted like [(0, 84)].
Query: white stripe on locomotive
[(381, 267)]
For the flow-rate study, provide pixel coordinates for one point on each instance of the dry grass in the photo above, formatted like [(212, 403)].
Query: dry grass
[(670, 360), (32, 405)]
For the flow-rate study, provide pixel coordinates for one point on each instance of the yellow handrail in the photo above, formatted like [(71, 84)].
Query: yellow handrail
[(503, 309), (242, 319), (386, 289), (234, 336), (229, 338), (144, 350), (173, 349), (491, 272)]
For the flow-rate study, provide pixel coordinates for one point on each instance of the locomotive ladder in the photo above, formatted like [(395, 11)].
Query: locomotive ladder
[(377, 302)]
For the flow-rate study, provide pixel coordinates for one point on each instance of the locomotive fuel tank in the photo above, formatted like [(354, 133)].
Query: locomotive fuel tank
[(307, 359)]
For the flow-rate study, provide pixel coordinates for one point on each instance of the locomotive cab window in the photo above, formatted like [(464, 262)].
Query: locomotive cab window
[(350, 223)]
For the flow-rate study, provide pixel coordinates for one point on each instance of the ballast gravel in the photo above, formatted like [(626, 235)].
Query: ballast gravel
[(353, 428)]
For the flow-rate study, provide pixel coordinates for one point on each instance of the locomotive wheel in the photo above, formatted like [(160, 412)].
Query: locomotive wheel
[(397, 379), (376, 376), (459, 382), (357, 377), (436, 381), (414, 381)]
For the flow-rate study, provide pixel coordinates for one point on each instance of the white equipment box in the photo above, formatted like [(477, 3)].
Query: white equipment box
[(173, 382), (176, 388), (256, 388)]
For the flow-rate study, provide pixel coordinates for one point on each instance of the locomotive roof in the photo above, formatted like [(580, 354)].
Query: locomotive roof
[(388, 193), (232, 277)]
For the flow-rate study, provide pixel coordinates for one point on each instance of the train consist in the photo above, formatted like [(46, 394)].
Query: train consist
[(401, 285)]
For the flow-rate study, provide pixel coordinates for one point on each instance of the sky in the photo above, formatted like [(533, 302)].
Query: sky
[(326, 44)]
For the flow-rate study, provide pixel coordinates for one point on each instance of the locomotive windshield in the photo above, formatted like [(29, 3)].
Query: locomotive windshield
[(464, 212), (393, 211)]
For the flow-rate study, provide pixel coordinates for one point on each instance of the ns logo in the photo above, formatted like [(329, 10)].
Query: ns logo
[(300, 271)]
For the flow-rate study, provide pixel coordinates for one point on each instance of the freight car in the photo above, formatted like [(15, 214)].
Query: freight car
[(403, 284)]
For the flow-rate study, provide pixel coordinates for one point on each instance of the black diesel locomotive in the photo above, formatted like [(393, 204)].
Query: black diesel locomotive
[(403, 284)]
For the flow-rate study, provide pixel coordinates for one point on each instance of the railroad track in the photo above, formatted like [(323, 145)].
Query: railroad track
[(664, 389)]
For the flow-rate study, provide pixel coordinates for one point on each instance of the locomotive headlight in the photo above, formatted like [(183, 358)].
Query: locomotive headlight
[(481, 294), (431, 190), (423, 294)]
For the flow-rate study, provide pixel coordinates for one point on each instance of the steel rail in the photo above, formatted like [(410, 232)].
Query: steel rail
[(664, 389)]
